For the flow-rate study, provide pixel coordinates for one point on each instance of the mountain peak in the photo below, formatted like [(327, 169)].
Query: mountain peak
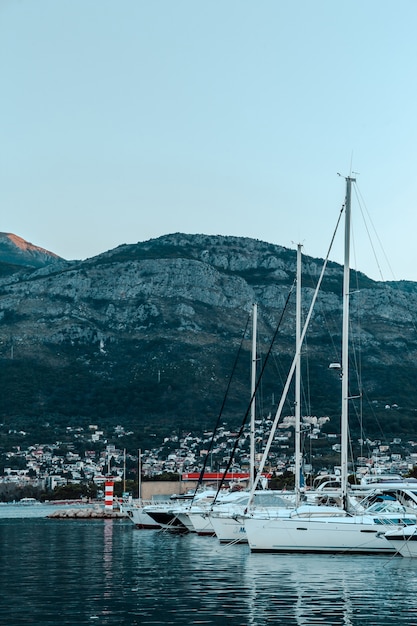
[(18, 251)]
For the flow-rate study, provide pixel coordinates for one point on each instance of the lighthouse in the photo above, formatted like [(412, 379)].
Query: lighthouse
[(108, 495)]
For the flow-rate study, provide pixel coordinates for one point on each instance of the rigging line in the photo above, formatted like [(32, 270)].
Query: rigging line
[(254, 394), (294, 362), (260, 401), (200, 478), (362, 392), (388, 287), (233, 542), (358, 369), (329, 324), (279, 374), (306, 386), (375, 420), (357, 347), (405, 543), (364, 210), (356, 351), (351, 450)]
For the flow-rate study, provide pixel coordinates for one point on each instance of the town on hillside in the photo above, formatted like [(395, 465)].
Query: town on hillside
[(78, 465)]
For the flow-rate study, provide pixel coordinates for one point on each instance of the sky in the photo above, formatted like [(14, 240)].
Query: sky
[(125, 120)]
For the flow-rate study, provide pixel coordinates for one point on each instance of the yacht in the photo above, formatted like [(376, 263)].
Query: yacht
[(350, 526)]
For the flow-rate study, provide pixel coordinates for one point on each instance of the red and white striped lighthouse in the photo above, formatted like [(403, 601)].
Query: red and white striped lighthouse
[(108, 496)]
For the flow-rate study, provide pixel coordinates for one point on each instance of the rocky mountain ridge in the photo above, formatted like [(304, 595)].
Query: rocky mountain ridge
[(17, 251), (146, 334)]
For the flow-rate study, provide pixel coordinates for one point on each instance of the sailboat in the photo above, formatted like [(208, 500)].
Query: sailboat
[(403, 540), (218, 516), (329, 529), (134, 508), (227, 519)]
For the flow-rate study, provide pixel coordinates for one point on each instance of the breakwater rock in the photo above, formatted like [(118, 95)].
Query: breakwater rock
[(86, 513)]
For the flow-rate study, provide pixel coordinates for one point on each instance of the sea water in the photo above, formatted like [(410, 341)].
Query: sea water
[(71, 572)]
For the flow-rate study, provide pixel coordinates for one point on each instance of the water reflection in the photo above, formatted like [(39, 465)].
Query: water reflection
[(332, 590), (217, 583), (300, 589), (81, 572), (107, 556)]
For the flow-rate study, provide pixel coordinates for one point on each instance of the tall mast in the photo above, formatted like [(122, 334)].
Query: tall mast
[(140, 474), (253, 387), (345, 346), (298, 379)]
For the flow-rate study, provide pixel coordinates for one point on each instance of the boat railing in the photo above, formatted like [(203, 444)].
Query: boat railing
[(270, 512), (138, 504), (315, 514)]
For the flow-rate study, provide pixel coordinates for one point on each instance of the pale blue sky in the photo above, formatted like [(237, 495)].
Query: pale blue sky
[(125, 120)]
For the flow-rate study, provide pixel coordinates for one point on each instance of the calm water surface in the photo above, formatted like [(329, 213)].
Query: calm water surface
[(68, 572)]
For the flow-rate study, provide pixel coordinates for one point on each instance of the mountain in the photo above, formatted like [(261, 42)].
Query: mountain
[(15, 251), (146, 336)]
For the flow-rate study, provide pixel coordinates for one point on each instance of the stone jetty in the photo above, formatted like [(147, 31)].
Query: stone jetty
[(96, 512)]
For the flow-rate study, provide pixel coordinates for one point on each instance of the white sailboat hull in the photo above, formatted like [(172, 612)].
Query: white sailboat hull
[(201, 523), (403, 541), (228, 521), (229, 529), (139, 518), (355, 534), (184, 518)]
